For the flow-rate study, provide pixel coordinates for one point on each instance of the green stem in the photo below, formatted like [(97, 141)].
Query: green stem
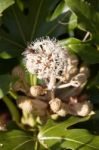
[(86, 36), (12, 108), (13, 94), (33, 80), (37, 145)]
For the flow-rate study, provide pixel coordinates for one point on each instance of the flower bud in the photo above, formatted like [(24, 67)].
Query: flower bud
[(55, 104), (63, 111), (73, 60), (81, 109), (85, 70), (36, 91), (30, 120), (54, 116), (73, 71), (79, 79), (25, 104)]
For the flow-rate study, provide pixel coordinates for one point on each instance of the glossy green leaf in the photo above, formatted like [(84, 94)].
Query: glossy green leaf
[(4, 84), (5, 55), (88, 18), (20, 26), (72, 23), (68, 41), (79, 139), (71, 20), (60, 9), (4, 4), (58, 129), (16, 140), (87, 53)]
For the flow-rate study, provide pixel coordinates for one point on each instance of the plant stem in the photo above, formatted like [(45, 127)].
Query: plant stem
[(12, 108), (33, 80), (37, 145), (52, 94), (86, 36), (13, 94)]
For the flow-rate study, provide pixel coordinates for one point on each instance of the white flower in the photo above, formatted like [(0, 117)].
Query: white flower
[(50, 61)]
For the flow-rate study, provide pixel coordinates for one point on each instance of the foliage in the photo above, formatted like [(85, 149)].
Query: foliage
[(76, 24), (5, 4), (16, 139)]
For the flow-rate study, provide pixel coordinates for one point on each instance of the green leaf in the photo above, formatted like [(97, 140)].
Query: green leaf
[(16, 140), (5, 55), (72, 23), (54, 127), (88, 53), (20, 26), (60, 9), (4, 84), (71, 20), (88, 18), (51, 125), (68, 41), (57, 136), (85, 50), (4, 4), (79, 139)]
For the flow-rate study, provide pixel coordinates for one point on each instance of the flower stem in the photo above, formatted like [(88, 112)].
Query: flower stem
[(13, 94), (37, 145), (12, 108), (34, 80), (52, 94), (86, 36)]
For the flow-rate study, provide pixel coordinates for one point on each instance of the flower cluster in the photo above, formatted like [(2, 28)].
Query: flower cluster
[(50, 61), (59, 68)]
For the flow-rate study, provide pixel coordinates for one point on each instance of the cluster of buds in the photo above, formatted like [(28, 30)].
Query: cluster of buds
[(58, 107), (73, 107)]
